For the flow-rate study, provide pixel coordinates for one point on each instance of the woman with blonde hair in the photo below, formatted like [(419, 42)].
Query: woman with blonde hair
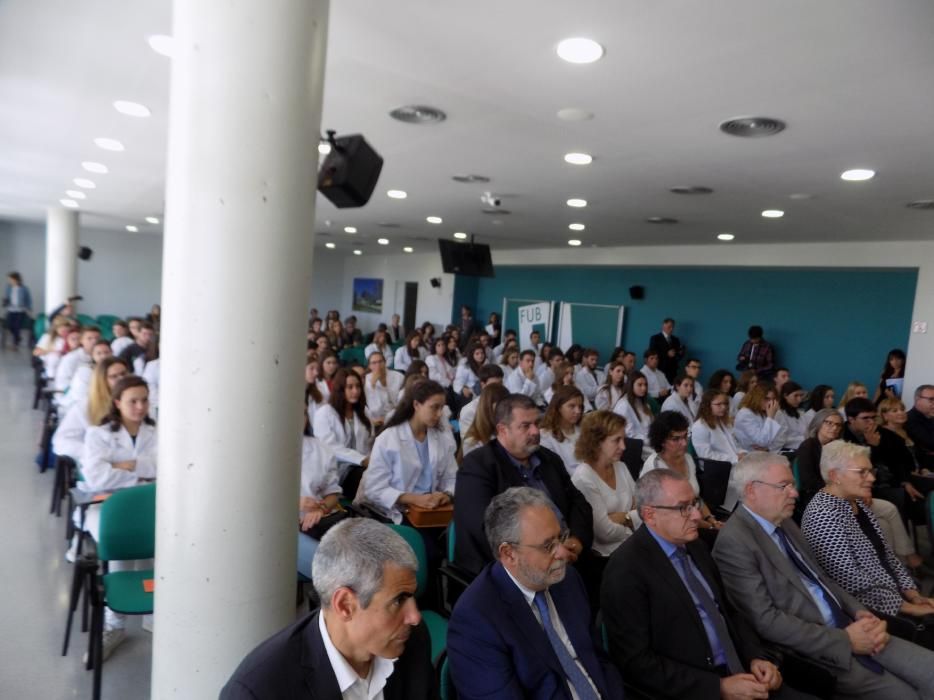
[(755, 427), (613, 388), (560, 427), (854, 390), (746, 381), (68, 440), (483, 428)]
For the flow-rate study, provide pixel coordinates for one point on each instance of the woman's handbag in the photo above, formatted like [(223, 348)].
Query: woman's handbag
[(318, 530)]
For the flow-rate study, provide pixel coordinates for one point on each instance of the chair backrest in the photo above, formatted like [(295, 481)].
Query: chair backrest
[(447, 683), (86, 320), (450, 542), (128, 524), (796, 473), (414, 539), (38, 326), (714, 479), (632, 456)]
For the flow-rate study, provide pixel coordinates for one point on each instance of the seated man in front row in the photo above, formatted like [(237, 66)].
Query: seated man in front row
[(670, 627), (522, 628), (771, 575), (365, 642)]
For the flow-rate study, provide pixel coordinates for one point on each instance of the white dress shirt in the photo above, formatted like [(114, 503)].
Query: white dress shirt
[(656, 380), (352, 686), (565, 448)]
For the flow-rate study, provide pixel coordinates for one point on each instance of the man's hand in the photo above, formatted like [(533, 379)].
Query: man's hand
[(743, 686), (767, 673), (873, 437), (867, 635), (128, 466), (912, 492), (574, 547)]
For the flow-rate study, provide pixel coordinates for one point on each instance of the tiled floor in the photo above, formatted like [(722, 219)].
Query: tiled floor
[(35, 578)]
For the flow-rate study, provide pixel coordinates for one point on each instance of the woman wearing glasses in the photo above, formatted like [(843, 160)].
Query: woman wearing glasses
[(845, 535)]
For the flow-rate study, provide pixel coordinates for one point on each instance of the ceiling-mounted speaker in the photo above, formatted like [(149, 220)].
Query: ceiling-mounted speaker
[(349, 173), (435, 282), (637, 292), (85, 253)]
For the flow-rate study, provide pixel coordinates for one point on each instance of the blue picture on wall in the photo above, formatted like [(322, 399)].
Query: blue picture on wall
[(368, 295)]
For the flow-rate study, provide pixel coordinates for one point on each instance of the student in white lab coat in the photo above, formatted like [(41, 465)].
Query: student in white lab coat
[(319, 494), (482, 427), (151, 375), (560, 426), (659, 387), (636, 410), (68, 440), (588, 379), (121, 336), (489, 374), (383, 388), (119, 454), (316, 391), (755, 427), (546, 371), (822, 396), (680, 398), (343, 426), (80, 382), (439, 369), (328, 366), (747, 380), (522, 379), (380, 344), (80, 357), (413, 458), (411, 350), (613, 388), (467, 378), (509, 361), (791, 417), (712, 434)]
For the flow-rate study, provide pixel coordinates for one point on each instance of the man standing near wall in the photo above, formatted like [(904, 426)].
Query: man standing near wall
[(669, 349), (18, 303)]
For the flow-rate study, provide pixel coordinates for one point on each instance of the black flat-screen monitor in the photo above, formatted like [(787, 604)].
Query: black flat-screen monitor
[(470, 259)]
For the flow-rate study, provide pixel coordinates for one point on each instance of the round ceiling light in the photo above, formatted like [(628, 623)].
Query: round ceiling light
[(434, 219), (577, 203), (329, 245), (358, 252), (574, 242), (396, 194), (109, 144), (161, 44), (574, 114), (580, 50), (93, 167), (76, 194), (857, 175), (460, 235), (773, 213), (70, 203), (152, 220), (418, 114), (725, 236), (661, 220), (132, 109), (408, 249), (578, 158), (350, 229), (324, 148), (382, 241), (84, 183), (132, 229), (576, 227)]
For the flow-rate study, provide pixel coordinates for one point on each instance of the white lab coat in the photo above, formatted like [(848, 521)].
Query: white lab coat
[(68, 366), (68, 440), (440, 371), (402, 359), (796, 429), (550, 394), (382, 398), (103, 447), (331, 429), (395, 467), (151, 375), (588, 382), (386, 350), (679, 405), (656, 380), (736, 401), (750, 429), (518, 383), (319, 470), (564, 449), (637, 423), (464, 376), (603, 500), (654, 461), (467, 415), (606, 397), (714, 443), (120, 344)]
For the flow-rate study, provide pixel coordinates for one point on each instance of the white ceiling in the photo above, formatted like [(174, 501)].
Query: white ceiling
[(852, 78)]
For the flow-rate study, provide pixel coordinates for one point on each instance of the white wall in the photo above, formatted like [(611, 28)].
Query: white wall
[(327, 282)]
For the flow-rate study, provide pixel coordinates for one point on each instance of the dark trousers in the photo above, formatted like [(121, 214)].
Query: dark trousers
[(14, 322)]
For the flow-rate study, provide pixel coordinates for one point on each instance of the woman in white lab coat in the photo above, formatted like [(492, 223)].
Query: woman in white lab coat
[(413, 458), (791, 418), (634, 407), (612, 389), (466, 380), (381, 345), (712, 434), (439, 369), (680, 398), (755, 427), (560, 427), (747, 380), (343, 426), (318, 495), (482, 426), (316, 390), (412, 350), (68, 439), (151, 374), (382, 387)]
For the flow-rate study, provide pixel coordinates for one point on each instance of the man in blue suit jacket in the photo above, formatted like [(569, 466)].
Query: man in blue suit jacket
[(522, 628)]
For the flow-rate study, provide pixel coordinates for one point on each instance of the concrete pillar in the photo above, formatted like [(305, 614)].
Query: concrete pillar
[(244, 123), (920, 367), (61, 256)]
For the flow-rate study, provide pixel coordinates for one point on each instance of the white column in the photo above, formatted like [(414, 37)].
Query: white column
[(244, 123), (61, 256), (920, 367)]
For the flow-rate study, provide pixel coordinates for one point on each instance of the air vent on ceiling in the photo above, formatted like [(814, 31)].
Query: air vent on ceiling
[(691, 189), (387, 224), (921, 204), (752, 127), (504, 212), (418, 114), (470, 178), (661, 220)]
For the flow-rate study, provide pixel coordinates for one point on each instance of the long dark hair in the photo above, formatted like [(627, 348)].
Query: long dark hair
[(816, 399), (311, 390), (338, 400), (472, 363), (114, 419), (639, 404), (716, 380), (888, 371), (419, 391), (413, 352), (789, 388)]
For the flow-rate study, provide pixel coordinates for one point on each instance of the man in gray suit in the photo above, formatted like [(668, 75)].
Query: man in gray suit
[(773, 578)]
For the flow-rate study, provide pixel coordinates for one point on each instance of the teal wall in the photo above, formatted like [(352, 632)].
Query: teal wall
[(827, 325)]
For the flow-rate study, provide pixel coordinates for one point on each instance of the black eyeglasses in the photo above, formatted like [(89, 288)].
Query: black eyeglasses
[(684, 509), (784, 486), (550, 547)]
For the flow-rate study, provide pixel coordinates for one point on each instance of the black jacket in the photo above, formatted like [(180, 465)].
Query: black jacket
[(920, 429), (668, 365)]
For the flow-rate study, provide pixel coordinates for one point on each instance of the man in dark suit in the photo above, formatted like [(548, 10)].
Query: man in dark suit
[(522, 629), (772, 577), (669, 349), (920, 425), (514, 458), (670, 627), (366, 641)]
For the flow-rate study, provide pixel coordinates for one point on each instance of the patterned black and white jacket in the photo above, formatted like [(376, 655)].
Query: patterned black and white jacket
[(848, 556)]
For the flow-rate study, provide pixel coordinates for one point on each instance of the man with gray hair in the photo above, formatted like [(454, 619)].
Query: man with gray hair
[(522, 628), (772, 576), (365, 643), (920, 425)]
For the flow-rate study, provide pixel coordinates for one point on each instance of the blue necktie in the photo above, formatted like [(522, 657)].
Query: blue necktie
[(575, 676)]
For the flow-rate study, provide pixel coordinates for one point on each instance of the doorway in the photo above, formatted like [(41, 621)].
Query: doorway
[(409, 305)]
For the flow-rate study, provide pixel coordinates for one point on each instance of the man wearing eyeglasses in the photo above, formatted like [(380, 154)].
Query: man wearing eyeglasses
[(522, 629), (772, 577), (671, 630), (920, 425)]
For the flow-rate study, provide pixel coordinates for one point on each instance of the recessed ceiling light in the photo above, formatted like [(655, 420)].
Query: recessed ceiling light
[(418, 114), (857, 174), (578, 158), (921, 204), (434, 219), (84, 183), (76, 194), (350, 229), (396, 194), (93, 167), (358, 252), (576, 227), (470, 178), (324, 148), (773, 213), (329, 245), (382, 241), (574, 242), (580, 50), (70, 203), (460, 235), (800, 195), (132, 229), (161, 44), (574, 114), (752, 127), (132, 109), (725, 236), (108, 144), (577, 203), (152, 220), (661, 220), (408, 249)]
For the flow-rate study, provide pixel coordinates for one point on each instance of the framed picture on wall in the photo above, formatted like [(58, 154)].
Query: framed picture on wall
[(368, 295)]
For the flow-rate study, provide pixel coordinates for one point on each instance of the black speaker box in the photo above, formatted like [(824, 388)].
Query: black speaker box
[(350, 171), (85, 253), (637, 292)]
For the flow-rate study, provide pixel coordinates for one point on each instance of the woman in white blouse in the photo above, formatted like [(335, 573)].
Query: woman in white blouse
[(755, 427), (412, 350), (509, 361), (466, 379), (319, 493), (383, 388), (634, 407), (560, 428), (439, 369), (747, 380), (605, 481), (712, 434), (680, 398), (343, 426), (792, 419), (316, 390), (380, 345), (613, 388)]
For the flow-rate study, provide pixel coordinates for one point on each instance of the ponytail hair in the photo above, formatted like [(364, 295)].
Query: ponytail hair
[(421, 391), (114, 419)]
